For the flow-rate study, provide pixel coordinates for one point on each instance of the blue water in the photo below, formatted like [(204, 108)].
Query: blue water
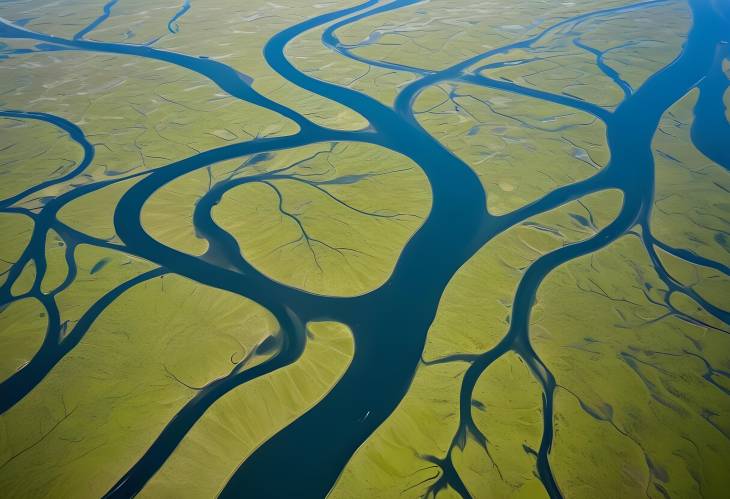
[(390, 323)]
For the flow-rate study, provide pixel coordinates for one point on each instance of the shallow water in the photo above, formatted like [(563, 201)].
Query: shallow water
[(543, 187)]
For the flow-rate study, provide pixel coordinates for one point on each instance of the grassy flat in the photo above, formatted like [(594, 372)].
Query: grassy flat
[(333, 224), (630, 375), (473, 316), (98, 411), (239, 422)]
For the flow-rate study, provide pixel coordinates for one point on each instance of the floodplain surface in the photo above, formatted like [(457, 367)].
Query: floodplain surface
[(379, 249)]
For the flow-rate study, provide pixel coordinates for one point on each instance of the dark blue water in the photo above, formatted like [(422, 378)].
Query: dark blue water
[(390, 323)]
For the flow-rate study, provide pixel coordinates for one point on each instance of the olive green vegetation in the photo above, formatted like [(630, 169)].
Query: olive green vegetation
[(16, 230), (691, 198), (319, 61), (235, 33), (633, 51), (25, 280), (99, 271), (473, 317), (140, 114), (448, 31), (637, 381), (23, 325), (93, 214), (334, 223), (85, 424), (44, 17), (691, 191), (241, 48), (329, 218), (521, 151), (24, 163), (641, 405), (168, 214), (437, 35), (245, 417)]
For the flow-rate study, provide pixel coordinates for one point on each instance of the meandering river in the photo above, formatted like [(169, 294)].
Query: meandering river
[(389, 324)]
